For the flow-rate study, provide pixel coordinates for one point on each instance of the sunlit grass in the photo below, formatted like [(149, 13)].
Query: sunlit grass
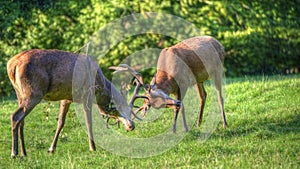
[(263, 114)]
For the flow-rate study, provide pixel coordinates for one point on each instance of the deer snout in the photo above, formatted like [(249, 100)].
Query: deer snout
[(128, 124), (178, 103), (171, 103)]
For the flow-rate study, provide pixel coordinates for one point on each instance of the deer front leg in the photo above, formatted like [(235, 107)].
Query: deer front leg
[(183, 117), (202, 95), (175, 119), (221, 104), (176, 110), (179, 96), (218, 86), (88, 121), (63, 109)]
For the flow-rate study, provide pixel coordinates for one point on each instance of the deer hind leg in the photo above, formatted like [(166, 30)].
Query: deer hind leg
[(17, 122), (202, 95), (21, 134), (21, 131), (218, 86), (63, 110)]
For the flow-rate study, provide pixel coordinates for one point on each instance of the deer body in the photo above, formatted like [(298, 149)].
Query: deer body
[(48, 74), (190, 62)]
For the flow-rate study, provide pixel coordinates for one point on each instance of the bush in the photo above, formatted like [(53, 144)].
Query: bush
[(260, 37)]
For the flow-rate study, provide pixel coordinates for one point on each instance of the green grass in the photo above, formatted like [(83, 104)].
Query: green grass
[(263, 114)]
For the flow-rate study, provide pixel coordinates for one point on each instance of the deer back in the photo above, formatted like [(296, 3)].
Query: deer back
[(190, 61)]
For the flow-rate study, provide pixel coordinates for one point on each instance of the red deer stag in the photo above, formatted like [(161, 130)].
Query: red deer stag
[(190, 62), (48, 74)]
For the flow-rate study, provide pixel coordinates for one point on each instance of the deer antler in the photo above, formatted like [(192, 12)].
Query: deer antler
[(138, 81), (125, 67)]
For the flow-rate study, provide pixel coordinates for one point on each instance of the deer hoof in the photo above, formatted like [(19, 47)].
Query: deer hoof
[(51, 150), (174, 129), (13, 156)]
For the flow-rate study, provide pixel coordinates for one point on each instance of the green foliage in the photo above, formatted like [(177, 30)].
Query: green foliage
[(260, 37), (264, 132)]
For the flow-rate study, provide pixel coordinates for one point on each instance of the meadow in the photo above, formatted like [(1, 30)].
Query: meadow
[(263, 115)]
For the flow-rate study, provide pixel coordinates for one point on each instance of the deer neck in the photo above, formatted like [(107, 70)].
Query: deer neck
[(103, 91), (165, 83)]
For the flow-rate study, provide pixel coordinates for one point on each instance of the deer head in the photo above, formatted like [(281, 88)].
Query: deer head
[(152, 98)]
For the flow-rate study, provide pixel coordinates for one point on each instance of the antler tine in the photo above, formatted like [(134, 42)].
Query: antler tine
[(139, 82), (135, 93), (138, 110), (125, 67), (135, 116)]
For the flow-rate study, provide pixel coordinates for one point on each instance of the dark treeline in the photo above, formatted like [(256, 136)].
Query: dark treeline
[(260, 37)]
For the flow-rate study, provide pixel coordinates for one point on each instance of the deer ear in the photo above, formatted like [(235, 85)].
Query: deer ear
[(153, 86), (153, 81), (147, 88)]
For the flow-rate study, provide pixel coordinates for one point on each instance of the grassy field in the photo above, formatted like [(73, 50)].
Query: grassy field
[(263, 114)]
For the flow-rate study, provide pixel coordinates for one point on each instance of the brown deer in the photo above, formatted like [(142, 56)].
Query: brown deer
[(48, 74), (188, 63)]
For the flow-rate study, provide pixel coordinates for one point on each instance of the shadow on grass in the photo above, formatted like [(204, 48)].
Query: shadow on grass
[(262, 129), (261, 78)]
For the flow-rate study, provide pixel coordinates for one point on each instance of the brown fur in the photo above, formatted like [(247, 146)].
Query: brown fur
[(48, 74), (187, 63)]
